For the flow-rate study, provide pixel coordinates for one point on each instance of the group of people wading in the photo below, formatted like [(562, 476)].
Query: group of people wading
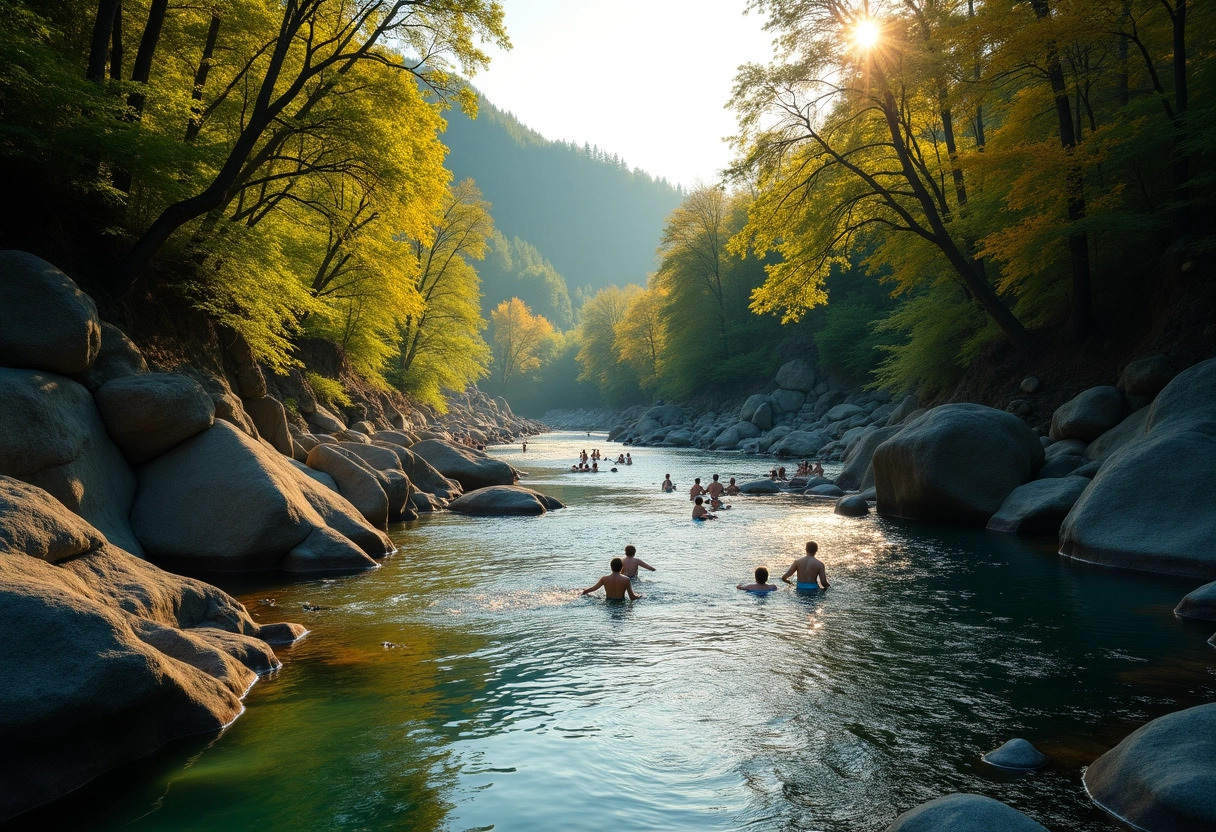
[(595, 458), (808, 569)]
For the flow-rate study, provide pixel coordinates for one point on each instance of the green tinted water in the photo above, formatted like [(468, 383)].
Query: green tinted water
[(466, 685)]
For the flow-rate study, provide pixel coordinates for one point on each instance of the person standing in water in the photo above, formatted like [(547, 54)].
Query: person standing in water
[(715, 489), (699, 512), (811, 573), (761, 585), (615, 585), (631, 563), (697, 489), (668, 485), (732, 490)]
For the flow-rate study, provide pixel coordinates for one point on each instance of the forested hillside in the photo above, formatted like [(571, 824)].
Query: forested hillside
[(594, 219)]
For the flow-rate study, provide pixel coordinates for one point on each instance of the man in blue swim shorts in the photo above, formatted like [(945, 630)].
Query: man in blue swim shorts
[(811, 574)]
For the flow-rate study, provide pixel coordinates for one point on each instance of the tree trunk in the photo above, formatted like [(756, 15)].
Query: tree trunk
[(116, 45), (103, 28), (200, 79), (142, 70), (1080, 319), (1181, 167)]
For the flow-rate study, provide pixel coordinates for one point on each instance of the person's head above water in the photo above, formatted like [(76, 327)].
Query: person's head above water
[(811, 547), (630, 551), (617, 565), (699, 501), (715, 477), (732, 480), (761, 575), (697, 480)]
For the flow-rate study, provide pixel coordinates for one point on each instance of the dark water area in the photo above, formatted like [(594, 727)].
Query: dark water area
[(467, 686)]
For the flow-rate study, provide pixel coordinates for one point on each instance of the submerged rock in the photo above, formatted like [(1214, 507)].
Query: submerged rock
[(1018, 754), (1161, 777), (504, 500), (854, 505), (1199, 605), (964, 813), (753, 487)]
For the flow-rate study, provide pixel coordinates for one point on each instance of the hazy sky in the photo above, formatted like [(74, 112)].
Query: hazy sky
[(647, 80)]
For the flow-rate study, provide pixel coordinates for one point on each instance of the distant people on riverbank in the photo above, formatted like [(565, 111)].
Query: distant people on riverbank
[(699, 512), (631, 563), (811, 572), (761, 585), (668, 485), (615, 585), (696, 491), (732, 490)]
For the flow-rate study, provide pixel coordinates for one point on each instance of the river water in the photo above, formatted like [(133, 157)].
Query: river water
[(467, 686)]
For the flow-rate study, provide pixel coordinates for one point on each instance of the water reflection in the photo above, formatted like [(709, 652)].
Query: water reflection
[(508, 701)]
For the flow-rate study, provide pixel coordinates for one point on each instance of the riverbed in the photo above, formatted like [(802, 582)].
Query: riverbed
[(466, 685)]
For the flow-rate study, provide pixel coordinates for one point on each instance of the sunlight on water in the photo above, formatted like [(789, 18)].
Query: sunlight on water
[(468, 685)]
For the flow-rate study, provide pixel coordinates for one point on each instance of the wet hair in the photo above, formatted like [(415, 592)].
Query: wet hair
[(699, 501), (811, 547), (715, 477), (761, 575), (732, 479), (698, 479), (630, 551), (616, 565)]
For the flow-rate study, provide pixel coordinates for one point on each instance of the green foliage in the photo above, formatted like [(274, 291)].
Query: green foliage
[(523, 342), (329, 391), (514, 268), (598, 348)]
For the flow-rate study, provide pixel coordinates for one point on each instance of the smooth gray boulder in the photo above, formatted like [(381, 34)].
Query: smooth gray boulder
[(796, 375), (1017, 754), (824, 490), (322, 421), (852, 505), (1161, 777), (1132, 515), (34, 523), (470, 467), (665, 415), (726, 440), (678, 438), (787, 401), (1088, 415), (841, 412), (270, 418), (858, 471), (768, 440), (503, 501), (1065, 446), (956, 464), (750, 406), (754, 487), (1130, 429), (908, 405), (117, 357), (224, 502), (149, 413), (1061, 465), (1030, 385), (423, 476), (1039, 506), (1200, 604), (46, 322), (763, 417), (356, 480), (800, 444), (51, 436), (1146, 376), (964, 813)]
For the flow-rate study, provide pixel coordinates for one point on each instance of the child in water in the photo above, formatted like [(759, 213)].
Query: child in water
[(761, 585)]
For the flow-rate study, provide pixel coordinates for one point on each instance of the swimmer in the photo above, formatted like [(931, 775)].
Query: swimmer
[(817, 470), (715, 490), (699, 511), (615, 585), (632, 562), (811, 573), (628, 459), (696, 491), (761, 584), (668, 485), (732, 490)]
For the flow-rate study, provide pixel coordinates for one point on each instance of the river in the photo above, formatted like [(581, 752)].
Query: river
[(467, 686)]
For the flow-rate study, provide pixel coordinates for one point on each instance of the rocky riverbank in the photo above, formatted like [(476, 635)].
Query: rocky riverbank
[(109, 466)]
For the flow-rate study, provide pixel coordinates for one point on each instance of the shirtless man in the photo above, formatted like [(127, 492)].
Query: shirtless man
[(668, 485), (632, 562), (615, 585), (761, 584), (732, 490), (811, 574), (715, 490), (699, 512), (696, 490)]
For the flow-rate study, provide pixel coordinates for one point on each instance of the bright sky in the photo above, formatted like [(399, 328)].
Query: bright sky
[(648, 80)]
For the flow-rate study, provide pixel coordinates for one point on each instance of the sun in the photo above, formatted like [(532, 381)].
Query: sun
[(866, 34)]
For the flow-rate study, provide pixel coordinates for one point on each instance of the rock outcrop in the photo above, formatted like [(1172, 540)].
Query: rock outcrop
[(504, 501), (46, 322), (1038, 507), (1199, 605), (964, 813), (471, 468)]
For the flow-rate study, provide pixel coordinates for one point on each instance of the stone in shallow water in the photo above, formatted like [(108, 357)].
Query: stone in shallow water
[(1200, 604), (854, 505), (503, 500), (964, 813), (1016, 754)]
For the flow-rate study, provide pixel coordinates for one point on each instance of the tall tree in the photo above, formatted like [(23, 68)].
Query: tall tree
[(520, 341)]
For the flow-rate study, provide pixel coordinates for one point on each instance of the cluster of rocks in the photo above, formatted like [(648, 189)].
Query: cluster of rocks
[(106, 465)]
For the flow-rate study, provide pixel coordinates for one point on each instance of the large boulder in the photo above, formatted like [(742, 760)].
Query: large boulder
[(34, 523), (1038, 507), (1146, 376), (762, 418), (1199, 605), (843, 412), (800, 444), (955, 464), (750, 406), (853, 505), (796, 375), (787, 401), (270, 418), (503, 501), (1130, 429), (46, 322), (51, 436), (468, 466), (964, 813), (1161, 777), (422, 475), (858, 471), (1133, 515), (906, 407), (665, 415), (1089, 414), (754, 487), (149, 413), (356, 480), (1016, 754), (117, 357), (224, 502)]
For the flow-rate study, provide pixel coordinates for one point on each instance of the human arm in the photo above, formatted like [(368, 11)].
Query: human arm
[(633, 596), (645, 565), (786, 577), (592, 589), (823, 577)]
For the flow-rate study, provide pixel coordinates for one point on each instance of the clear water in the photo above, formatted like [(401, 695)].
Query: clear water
[(511, 703)]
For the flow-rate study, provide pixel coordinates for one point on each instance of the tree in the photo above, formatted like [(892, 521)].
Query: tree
[(640, 338), (601, 315), (521, 340)]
